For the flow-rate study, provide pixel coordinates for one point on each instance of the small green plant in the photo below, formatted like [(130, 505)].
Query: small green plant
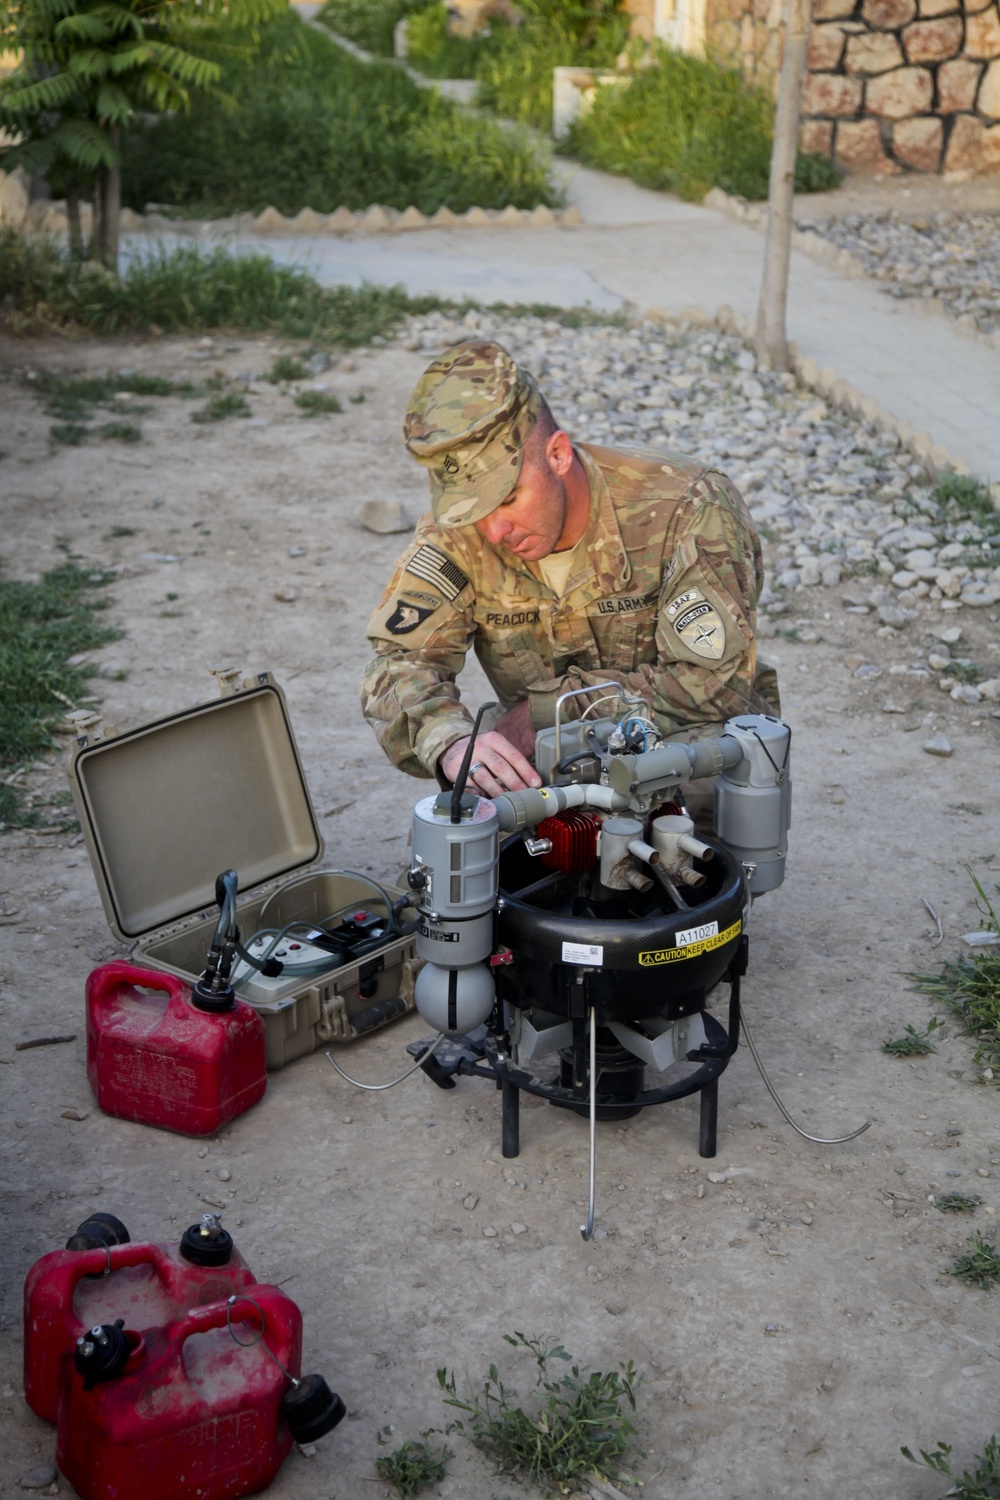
[(221, 405), (984, 1484), (981, 1265), (122, 432), (415, 1465), (42, 625), (316, 403), (119, 531), (369, 23), (70, 433), (962, 496), (357, 399), (970, 987), (959, 1203), (914, 1043), (286, 367), (575, 1426)]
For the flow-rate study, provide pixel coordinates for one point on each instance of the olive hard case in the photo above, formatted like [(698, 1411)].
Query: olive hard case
[(166, 807)]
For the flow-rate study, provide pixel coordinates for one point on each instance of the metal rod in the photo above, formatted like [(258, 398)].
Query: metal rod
[(817, 1140), (587, 1230)]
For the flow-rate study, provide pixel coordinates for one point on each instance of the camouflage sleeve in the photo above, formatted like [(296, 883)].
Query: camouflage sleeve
[(705, 669), (420, 634)]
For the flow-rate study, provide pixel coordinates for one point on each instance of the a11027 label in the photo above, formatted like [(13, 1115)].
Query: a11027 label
[(692, 944)]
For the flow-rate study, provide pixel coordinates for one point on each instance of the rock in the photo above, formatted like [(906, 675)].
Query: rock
[(904, 579), (933, 41), (904, 92), (202, 1151), (939, 745), (990, 690), (316, 364), (224, 1174), (872, 52), (957, 83), (826, 48), (286, 595), (868, 672), (830, 574), (951, 635), (809, 574), (982, 34), (973, 147), (75, 1114), (471, 1201), (892, 708), (384, 517), (937, 662), (40, 1478), (831, 94), (859, 147), (888, 15), (919, 143), (519, 1229), (489, 1233), (964, 692), (891, 614), (988, 101)]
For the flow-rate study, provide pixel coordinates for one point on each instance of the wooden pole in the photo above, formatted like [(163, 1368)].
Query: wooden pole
[(771, 336)]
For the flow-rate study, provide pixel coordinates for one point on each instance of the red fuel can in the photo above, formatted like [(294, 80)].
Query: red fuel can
[(190, 1412), (155, 1057), (69, 1291)]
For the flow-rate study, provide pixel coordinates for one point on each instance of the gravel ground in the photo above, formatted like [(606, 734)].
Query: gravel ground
[(947, 257), (837, 500)]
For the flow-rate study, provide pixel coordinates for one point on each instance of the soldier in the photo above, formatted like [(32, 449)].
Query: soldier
[(561, 565)]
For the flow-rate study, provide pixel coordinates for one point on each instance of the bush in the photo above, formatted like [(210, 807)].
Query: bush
[(310, 126), (515, 72), (687, 125), (42, 287), (369, 23), (437, 54)]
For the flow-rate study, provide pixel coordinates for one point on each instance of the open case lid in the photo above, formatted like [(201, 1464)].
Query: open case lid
[(166, 807)]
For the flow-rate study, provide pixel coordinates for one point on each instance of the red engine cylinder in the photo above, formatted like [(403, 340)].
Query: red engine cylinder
[(152, 1056), (69, 1291), (574, 840), (191, 1412)]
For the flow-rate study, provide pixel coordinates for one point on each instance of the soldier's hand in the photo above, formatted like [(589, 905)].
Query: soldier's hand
[(500, 766)]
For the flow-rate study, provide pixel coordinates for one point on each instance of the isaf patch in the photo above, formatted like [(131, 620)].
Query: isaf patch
[(698, 624), (437, 569)]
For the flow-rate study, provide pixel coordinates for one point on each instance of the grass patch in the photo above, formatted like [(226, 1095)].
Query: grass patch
[(120, 432), (913, 1043), (42, 625), (962, 497), (515, 69), (286, 367), (687, 125), (434, 52), (317, 403), (310, 126), (575, 1426), (958, 1203), (220, 405), (190, 288), (963, 671), (980, 1266), (77, 397), (414, 1466), (983, 1484), (970, 987), (70, 433), (368, 23)]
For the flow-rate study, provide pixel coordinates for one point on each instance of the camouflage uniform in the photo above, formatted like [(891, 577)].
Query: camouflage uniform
[(663, 600)]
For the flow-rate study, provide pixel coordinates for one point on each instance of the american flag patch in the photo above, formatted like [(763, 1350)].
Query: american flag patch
[(437, 568)]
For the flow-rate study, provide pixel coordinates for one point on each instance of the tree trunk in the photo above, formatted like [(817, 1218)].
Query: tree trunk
[(73, 221), (771, 339), (108, 208)]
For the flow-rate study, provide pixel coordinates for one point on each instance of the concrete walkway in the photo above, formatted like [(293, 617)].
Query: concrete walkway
[(642, 249)]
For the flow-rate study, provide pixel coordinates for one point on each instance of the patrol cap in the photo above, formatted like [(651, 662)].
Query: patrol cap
[(469, 417)]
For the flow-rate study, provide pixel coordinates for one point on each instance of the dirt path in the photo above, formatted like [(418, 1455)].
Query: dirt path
[(794, 1323)]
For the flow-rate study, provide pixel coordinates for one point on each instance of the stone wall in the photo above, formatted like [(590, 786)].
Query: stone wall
[(897, 85)]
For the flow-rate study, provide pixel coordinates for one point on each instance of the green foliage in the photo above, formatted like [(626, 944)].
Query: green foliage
[(121, 432), (970, 987), (515, 70), (963, 671), (317, 403), (962, 496), (286, 367), (980, 1266), (369, 23), (42, 625), (575, 1427), (313, 127), (913, 1043), (414, 1466), (984, 1484), (189, 288), (434, 52), (72, 434), (222, 404), (686, 125), (959, 1203)]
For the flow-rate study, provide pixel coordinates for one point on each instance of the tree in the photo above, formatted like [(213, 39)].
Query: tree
[(89, 68), (771, 336)]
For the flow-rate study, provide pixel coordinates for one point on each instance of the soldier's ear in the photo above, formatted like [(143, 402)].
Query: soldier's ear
[(559, 453)]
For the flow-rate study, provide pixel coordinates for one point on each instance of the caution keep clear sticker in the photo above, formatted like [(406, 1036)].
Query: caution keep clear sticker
[(690, 943)]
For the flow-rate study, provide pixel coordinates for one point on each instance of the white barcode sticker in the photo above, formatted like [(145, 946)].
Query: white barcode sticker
[(697, 934), (583, 953)]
